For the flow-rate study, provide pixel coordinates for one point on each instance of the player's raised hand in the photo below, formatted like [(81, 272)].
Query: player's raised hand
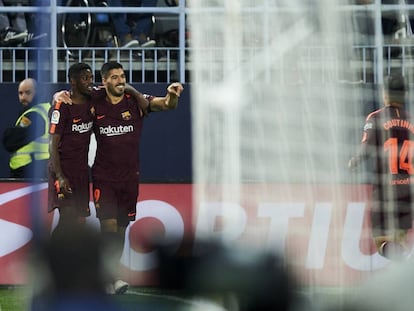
[(169, 101), (173, 93), (175, 88)]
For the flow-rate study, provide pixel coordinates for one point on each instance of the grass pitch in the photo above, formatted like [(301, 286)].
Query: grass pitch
[(13, 298), (16, 298)]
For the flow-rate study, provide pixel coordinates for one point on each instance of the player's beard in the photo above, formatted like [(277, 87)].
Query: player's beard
[(114, 91)]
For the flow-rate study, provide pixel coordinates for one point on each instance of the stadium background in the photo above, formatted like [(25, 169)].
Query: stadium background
[(330, 234)]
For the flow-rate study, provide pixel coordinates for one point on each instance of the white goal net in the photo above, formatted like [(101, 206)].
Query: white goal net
[(277, 112)]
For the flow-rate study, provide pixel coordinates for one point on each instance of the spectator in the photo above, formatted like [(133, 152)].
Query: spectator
[(27, 141), (392, 22), (133, 30), (13, 27), (364, 31)]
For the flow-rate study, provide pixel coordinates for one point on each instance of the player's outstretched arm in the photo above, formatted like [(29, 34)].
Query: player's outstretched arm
[(170, 100)]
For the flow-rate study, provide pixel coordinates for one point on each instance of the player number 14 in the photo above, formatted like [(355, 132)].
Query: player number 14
[(401, 160)]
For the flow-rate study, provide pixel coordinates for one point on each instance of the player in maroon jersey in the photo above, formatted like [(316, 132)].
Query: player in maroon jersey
[(70, 130), (115, 172), (388, 140)]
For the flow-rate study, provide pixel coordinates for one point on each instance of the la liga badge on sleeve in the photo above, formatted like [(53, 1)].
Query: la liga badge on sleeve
[(55, 117)]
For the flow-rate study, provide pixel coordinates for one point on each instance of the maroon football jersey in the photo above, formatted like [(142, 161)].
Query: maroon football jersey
[(118, 130), (74, 124), (389, 137)]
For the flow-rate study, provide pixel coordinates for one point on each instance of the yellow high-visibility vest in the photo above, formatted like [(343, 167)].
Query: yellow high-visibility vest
[(37, 149)]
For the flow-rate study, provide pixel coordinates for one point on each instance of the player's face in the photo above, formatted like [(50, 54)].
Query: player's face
[(115, 82), (85, 82)]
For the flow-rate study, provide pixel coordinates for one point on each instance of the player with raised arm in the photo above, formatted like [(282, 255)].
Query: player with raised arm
[(388, 140), (115, 173)]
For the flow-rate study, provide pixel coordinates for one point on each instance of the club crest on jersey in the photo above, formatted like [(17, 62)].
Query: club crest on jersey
[(92, 111), (54, 119), (126, 115)]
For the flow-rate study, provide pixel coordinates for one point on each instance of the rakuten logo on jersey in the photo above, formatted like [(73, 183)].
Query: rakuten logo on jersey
[(82, 127), (115, 130)]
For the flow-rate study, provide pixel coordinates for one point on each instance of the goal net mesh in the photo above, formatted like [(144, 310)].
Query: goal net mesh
[(277, 112)]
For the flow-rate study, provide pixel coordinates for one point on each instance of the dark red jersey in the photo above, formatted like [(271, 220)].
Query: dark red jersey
[(74, 124), (389, 139), (117, 129)]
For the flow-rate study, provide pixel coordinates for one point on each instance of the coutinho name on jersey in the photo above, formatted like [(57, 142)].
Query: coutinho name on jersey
[(399, 123), (116, 130)]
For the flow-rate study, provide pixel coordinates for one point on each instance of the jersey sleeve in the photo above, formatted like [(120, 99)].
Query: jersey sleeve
[(149, 98), (368, 136), (57, 120)]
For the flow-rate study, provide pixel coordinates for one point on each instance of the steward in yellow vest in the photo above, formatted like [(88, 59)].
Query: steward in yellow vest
[(28, 143)]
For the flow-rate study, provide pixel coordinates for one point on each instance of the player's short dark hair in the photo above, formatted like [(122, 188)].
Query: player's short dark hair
[(76, 69), (396, 88), (107, 67)]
